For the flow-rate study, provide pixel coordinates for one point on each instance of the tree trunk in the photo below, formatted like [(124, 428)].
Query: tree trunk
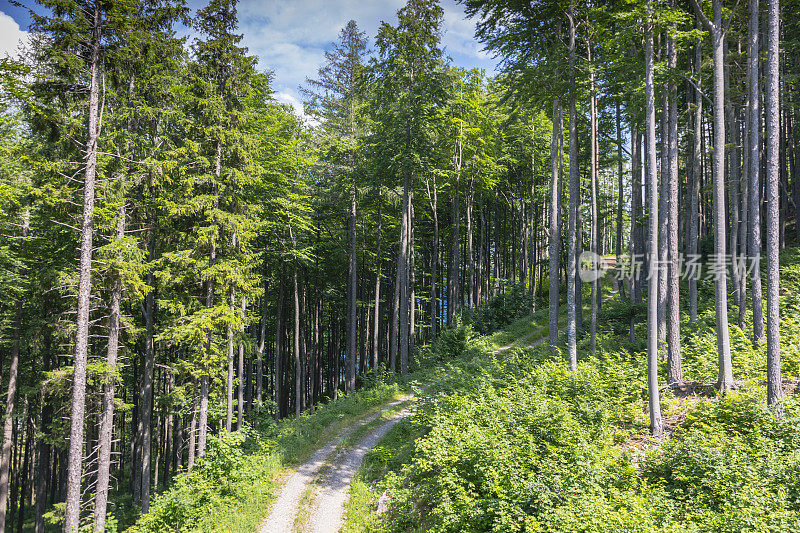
[(376, 309), (107, 420), (772, 104), (753, 173), (620, 199), (229, 383), (694, 183), (594, 228), (574, 186), (75, 464), (674, 367), (555, 229), (656, 424), (352, 302), (147, 386), (240, 396)]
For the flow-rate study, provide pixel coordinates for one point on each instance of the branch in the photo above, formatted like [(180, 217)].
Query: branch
[(704, 20)]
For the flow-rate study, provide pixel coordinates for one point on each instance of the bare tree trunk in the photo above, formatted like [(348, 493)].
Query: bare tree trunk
[(352, 298), (620, 198), (75, 462), (107, 421), (405, 285), (376, 309), (555, 228), (146, 412), (192, 431), (574, 186), (720, 283), (772, 104), (694, 184), (754, 170), (298, 363), (240, 397), (594, 229), (674, 367), (229, 384), (656, 424)]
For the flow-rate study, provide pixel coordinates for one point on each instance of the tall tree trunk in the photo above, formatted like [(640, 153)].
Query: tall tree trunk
[(75, 464), (674, 367), (107, 420), (147, 384), (229, 383), (574, 187), (754, 170), (656, 424), (772, 104), (594, 228), (405, 281), (240, 396), (693, 188), (725, 379), (352, 294), (555, 228), (298, 363), (620, 198), (377, 309)]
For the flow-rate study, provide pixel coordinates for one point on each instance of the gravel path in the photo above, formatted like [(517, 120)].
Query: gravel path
[(284, 510), (334, 489)]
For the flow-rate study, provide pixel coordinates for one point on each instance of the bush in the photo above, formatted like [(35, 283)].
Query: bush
[(502, 310)]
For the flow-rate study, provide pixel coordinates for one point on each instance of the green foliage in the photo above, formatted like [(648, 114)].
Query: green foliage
[(457, 340), (502, 310)]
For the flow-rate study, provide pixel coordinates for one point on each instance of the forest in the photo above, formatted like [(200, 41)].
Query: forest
[(563, 296)]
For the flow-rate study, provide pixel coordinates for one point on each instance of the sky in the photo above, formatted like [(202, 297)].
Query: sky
[(290, 36)]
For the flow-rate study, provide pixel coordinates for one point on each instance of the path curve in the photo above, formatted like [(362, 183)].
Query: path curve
[(285, 507)]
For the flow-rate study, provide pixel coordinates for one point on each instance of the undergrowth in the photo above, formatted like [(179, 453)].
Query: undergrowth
[(521, 443)]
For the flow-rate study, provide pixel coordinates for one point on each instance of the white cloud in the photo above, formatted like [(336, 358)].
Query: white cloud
[(290, 36), (10, 36)]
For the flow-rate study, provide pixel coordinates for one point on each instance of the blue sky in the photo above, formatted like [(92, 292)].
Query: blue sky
[(290, 36)]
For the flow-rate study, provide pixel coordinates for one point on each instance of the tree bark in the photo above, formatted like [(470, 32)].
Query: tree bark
[(352, 302), (754, 170), (574, 186), (772, 104), (674, 367), (75, 462), (555, 229), (725, 380), (656, 424), (107, 420)]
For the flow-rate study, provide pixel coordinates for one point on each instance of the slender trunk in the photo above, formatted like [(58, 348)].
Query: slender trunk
[(594, 229), (656, 424), (674, 367), (377, 308), (555, 228), (694, 184), (229, 384), (146, 413), (620, 198), (772, 104), (352, 301), (75, 462), (574, 186), (192, 431), (107, 420), (242, 383), (405, 280), (753, 173)]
